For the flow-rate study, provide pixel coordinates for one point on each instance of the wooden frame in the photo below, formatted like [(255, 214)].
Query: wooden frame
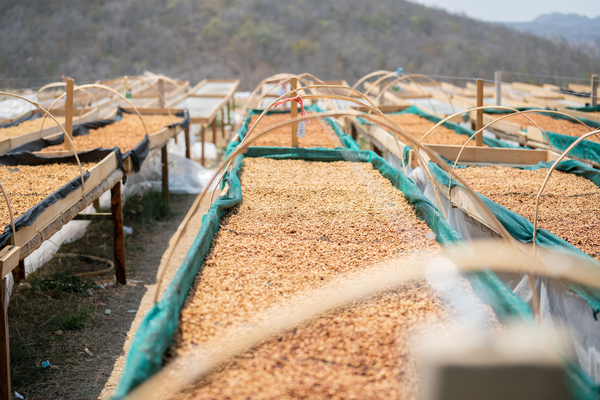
[(385, 143), (207, 117), (51, 129)]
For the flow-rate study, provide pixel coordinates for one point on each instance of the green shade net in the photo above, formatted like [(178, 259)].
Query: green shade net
[(586, 150)]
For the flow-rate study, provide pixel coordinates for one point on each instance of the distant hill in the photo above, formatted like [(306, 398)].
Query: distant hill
[(251, 39), (578, 29)]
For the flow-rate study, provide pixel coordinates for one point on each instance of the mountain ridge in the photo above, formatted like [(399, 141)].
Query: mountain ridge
[(251, 39)]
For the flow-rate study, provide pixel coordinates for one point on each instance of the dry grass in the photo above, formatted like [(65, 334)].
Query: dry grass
[(568, 207), (124, 134), (318, 132)]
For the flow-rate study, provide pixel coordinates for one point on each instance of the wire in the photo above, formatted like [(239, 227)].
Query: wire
[(544, 76)]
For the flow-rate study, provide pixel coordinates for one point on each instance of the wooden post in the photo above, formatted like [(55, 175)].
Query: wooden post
[(96, 204), (202, 139), (594, 94), (223, 122), (69, 114), (229, 112), (118, 236), (479, 122), (353, 131), (186, 133), (214, 130), (5, 390), (164, 159), (294, 113), (161, 91), (19, 272), (498, 79)]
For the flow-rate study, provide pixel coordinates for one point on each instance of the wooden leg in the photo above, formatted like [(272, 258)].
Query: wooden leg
[(203, 141), (5, 390), (164, 158), (187, 143), (353, 131), (96, 204), (214, 131), (223, 122), (118, 236), (19, 272), (377, 151)]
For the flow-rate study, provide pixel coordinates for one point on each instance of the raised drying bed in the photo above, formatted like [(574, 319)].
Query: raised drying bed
[(297, 230), (561, 130), (50, 195), (568, 209), (446, 138), (26, 128), (122, 130), (320, 132)]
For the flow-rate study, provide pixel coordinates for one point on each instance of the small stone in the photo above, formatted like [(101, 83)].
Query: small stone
[(58, 333), (107, 311), (90, 292), (54, 367), (131, 311), (88, 352), (26, 285)]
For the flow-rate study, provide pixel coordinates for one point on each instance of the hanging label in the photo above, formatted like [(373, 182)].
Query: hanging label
[(128, 95), (301, 129)]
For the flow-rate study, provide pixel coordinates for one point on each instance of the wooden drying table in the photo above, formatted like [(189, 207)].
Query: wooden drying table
[(106, 175), (50, 129), (204, 101)]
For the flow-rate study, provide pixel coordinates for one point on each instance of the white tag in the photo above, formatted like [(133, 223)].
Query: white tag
[(300, 132)]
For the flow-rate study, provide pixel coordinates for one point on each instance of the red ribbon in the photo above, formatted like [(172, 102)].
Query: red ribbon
[(297, 99)]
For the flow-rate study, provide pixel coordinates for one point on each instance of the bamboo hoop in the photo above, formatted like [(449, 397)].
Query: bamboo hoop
[(539, 195), (270, 79), (11, 215), (95, 85), (61, 127), (369, 76), (51, 85)]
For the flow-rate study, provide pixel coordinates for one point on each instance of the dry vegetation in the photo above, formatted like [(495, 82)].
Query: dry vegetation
[(301, 225), (124, 134), (318, 132), (568, 208), (28, 185), (417, 127)]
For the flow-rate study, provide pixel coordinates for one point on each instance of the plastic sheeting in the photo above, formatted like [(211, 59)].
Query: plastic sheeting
[(14, 107), (560, 307)]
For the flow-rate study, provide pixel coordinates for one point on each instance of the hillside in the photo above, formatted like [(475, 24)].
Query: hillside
[(251, 39), (580, 30)]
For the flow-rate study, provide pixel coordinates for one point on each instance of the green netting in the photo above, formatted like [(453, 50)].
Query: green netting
[(452, 126), (346, 140), (521, 229), (586, 150), (586, 109), (158, 327)]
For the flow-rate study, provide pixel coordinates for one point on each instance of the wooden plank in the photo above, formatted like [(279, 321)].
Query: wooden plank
[(294, 113), (187, 143), (98, 173), (580, 114), (69, 113), (492, 155), (479, 119), (9, 259), (154, 110), (118, 235), (161, 93), (5, 389), (594, 91)]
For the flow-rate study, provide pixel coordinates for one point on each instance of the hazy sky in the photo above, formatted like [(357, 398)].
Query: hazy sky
[(516, 10)]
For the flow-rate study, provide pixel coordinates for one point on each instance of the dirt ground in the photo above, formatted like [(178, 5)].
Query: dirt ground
[(56, 317)]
